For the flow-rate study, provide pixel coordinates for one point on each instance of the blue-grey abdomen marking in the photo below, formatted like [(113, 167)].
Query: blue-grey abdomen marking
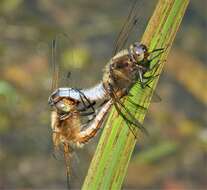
[(93, 94)]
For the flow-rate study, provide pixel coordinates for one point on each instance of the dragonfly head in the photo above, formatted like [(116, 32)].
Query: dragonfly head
[(65, 106), (139, 52)]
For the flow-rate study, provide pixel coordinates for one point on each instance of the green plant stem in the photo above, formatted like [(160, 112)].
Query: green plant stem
[(110, 162)]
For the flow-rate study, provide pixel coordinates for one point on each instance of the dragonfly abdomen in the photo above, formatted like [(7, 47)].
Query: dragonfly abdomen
[(96, 93)]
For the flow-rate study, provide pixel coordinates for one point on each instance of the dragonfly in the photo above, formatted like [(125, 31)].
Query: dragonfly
[(125, 69), (69, 130)]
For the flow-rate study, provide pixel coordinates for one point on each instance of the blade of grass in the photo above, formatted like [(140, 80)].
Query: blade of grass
[(110, 162)]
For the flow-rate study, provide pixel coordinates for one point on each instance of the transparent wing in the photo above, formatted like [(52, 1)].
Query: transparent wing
[(150, 95), (133, 19), (70, 161), (55, 67), (61, 73), (66, 46), (126, 114), (129, 118)]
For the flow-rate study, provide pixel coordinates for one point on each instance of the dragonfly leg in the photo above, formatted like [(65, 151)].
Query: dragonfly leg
[(90, 104), (154, 67), (84, 99), (135, 104), (149, 80), (87, 113), (152, 76), (64, 116), (133, 120), (155, 50), (83, 108)]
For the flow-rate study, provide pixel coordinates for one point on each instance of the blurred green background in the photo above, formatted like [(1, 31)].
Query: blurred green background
[(174, 156)]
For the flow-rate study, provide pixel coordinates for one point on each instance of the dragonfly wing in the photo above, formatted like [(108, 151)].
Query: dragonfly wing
[(60, 73), (133, 20), (148, 92), (128, 116), (155, 97), (55, 68), (139, 108)]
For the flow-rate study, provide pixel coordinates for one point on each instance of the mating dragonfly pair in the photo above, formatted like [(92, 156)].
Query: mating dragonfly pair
[(70, 104), (74, 119)]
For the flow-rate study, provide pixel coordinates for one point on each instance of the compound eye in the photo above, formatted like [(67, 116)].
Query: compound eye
[(139, 53), (144, 48), (62, 107)]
